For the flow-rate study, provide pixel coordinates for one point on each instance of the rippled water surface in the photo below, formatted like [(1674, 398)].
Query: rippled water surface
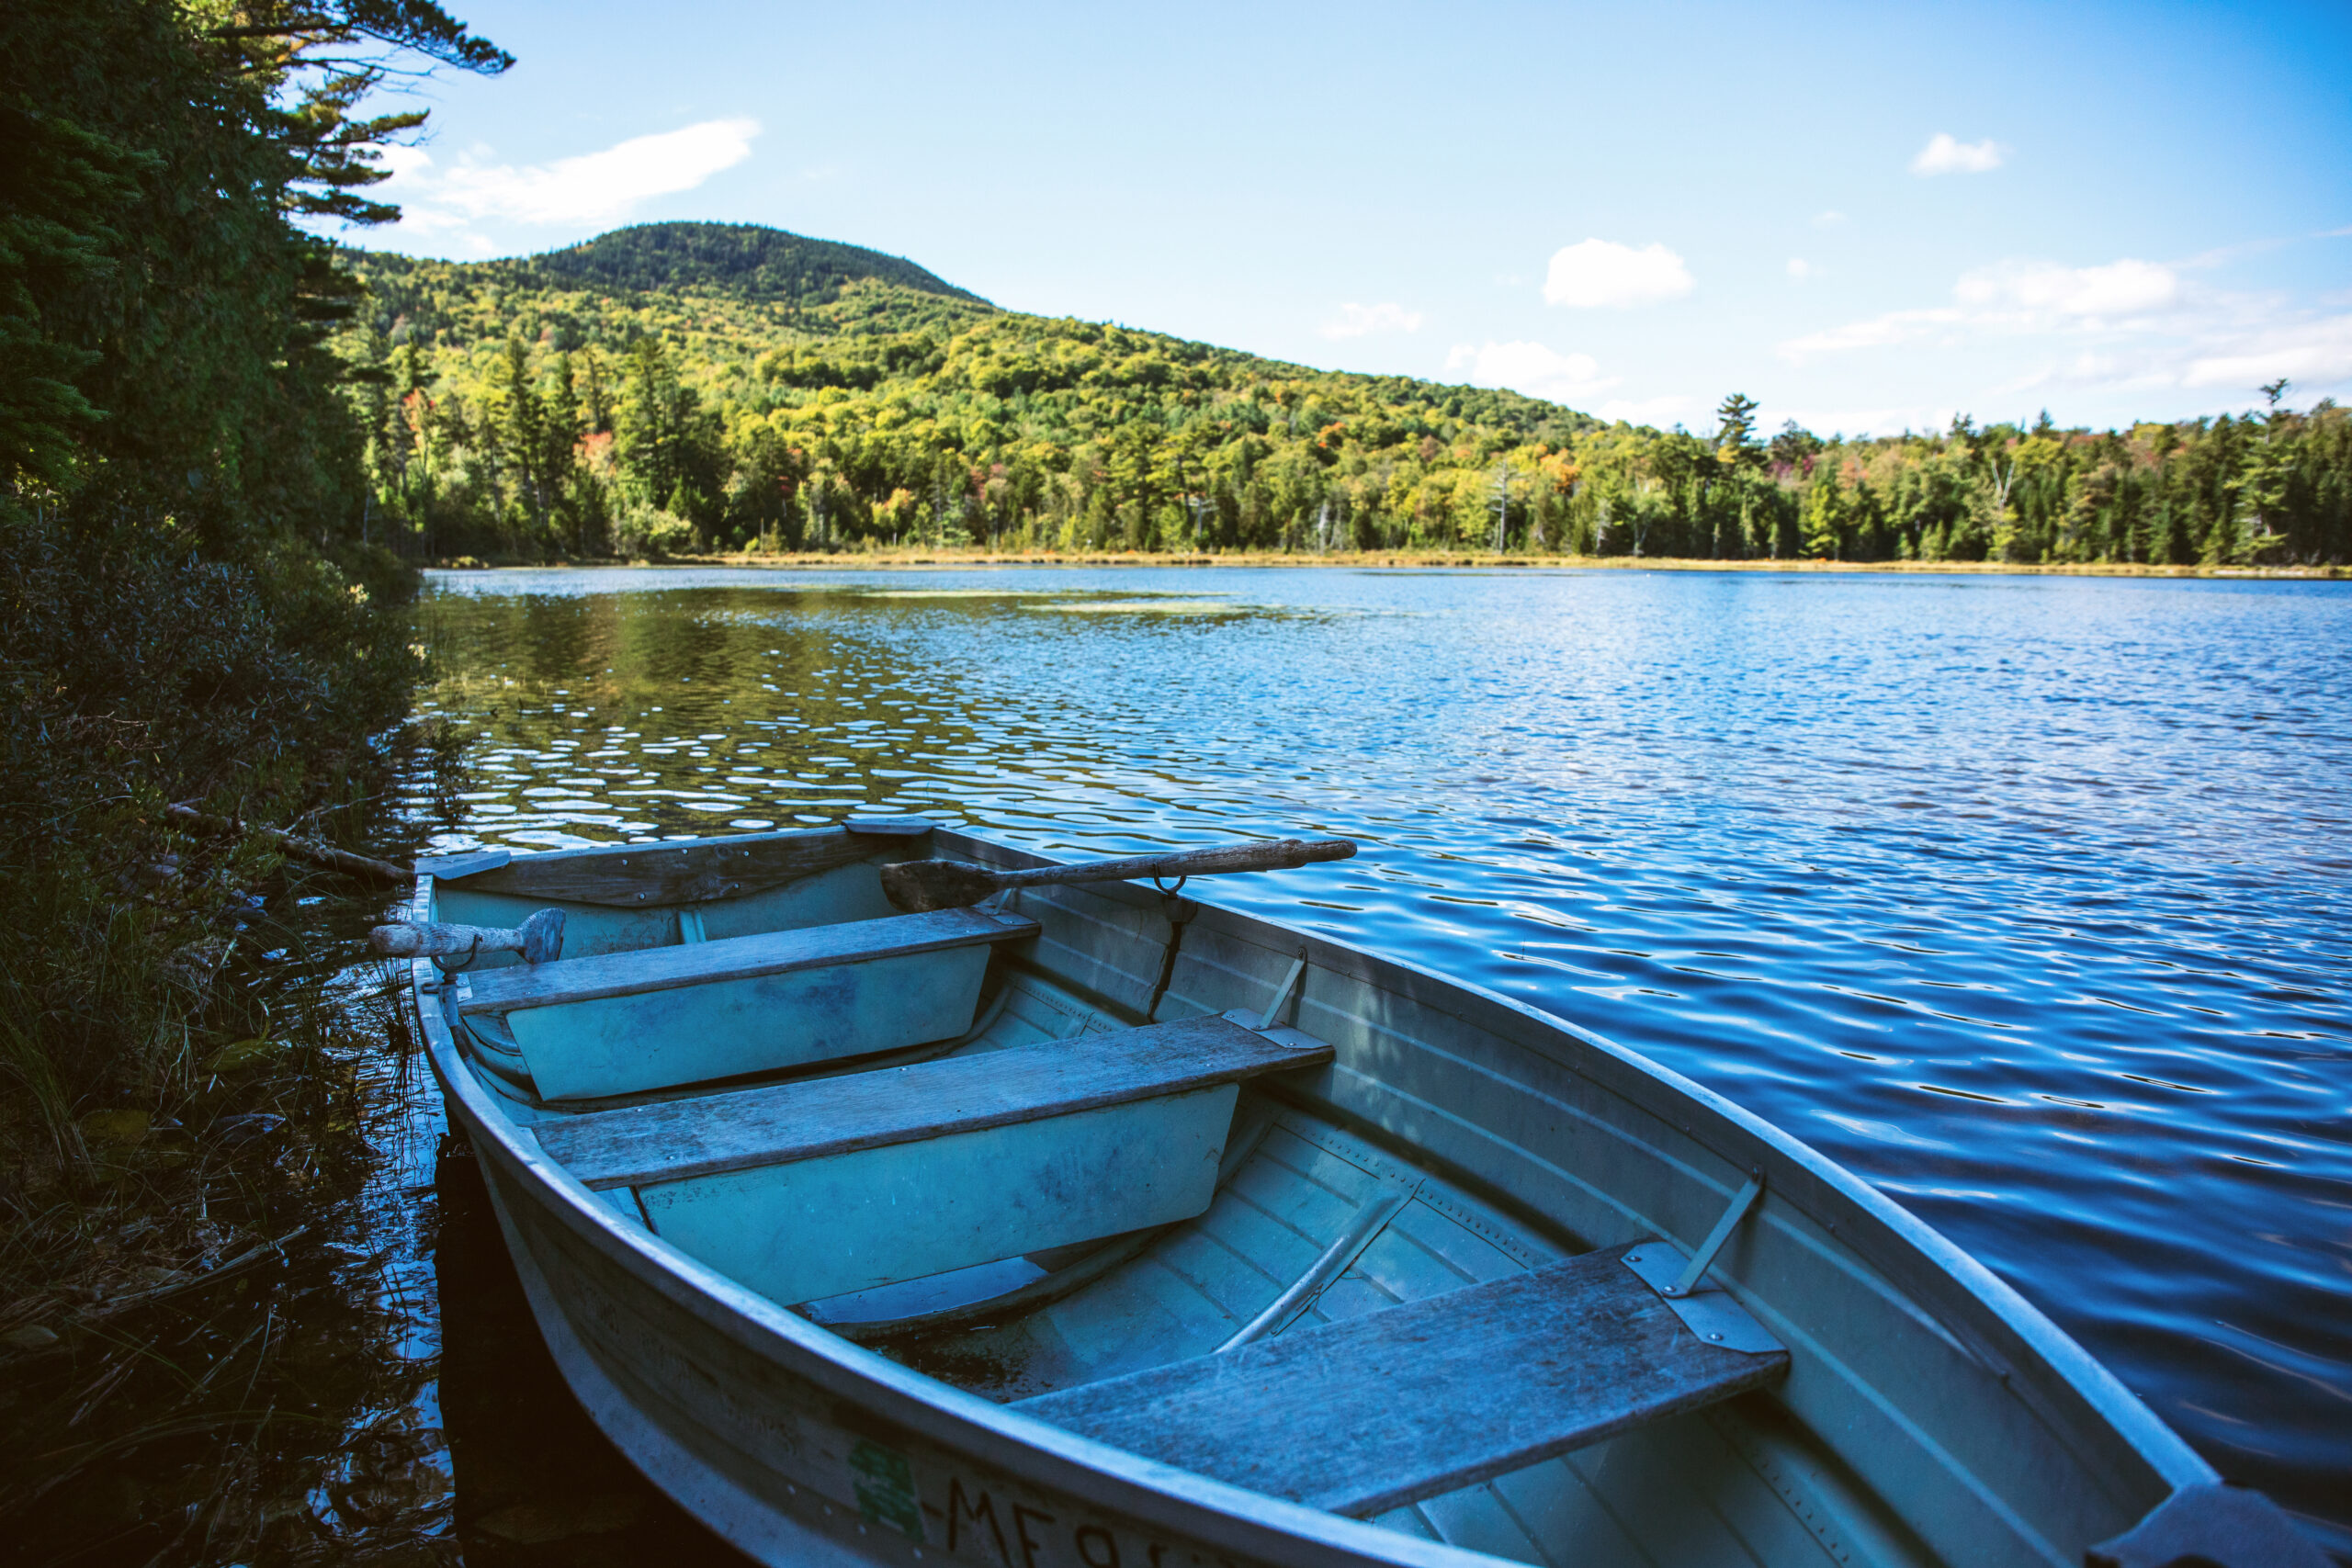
[(2023, 897)]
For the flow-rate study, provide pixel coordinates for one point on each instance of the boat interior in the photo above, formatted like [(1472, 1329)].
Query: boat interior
[(1041, 1175)]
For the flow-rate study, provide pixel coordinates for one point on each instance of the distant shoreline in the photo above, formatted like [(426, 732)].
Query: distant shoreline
[(908, 558)]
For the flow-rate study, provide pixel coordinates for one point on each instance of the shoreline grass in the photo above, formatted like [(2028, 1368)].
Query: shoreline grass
[(907, 558)]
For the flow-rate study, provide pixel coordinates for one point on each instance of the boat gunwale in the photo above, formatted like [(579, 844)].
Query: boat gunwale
[(1234, 1518)]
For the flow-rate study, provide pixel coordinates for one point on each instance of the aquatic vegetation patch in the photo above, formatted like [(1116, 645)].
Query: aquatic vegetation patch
[(964, 592), (1145, 607)]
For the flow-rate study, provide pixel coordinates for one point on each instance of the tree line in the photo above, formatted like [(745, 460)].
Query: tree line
[(618, 399)]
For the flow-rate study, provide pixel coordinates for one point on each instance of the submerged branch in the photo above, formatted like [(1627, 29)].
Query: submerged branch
[(365, 867)]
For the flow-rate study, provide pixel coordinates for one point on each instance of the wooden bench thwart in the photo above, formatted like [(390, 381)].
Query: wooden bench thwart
[(678, 1140), (1406, 1403), (570, 980)]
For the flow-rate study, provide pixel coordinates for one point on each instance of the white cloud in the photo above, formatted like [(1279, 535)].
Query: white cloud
[(1360, 320), (1799, 268), (1531, 368), (2311, 353), (1867, 421), (2136, 370), (2017, 298), (2125, 288), (2125, 327), (1895, 326), (1595, 272), (1830, 219), (594, 188), (1663, 410), (1943, 155), (400, 159), (2314, 354)]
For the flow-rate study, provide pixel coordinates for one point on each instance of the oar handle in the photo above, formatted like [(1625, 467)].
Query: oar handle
[(538, 939), (1276, 854)]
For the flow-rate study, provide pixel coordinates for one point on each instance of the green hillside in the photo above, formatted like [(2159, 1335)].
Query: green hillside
[(686, 386)]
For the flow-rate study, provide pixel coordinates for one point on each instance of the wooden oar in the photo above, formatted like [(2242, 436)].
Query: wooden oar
[(538, 939), (916, 886)]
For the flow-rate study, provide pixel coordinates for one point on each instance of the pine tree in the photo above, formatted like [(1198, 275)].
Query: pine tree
[(1822, 521), (1735, 429), (522, 426)]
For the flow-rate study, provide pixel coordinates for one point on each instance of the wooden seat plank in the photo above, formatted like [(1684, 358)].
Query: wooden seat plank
[(1403, 1403), (679, 1140), (570, 980)]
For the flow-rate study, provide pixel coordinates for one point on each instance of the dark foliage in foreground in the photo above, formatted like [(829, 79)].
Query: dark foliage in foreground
[(187, 606)]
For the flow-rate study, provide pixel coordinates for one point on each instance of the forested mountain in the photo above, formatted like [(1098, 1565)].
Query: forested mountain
[(731, 287), (738, 258), (683, 387)]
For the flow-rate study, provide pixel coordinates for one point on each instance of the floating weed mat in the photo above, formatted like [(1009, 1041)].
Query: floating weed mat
[(964, 592), (1144, 607), (218, 1339)]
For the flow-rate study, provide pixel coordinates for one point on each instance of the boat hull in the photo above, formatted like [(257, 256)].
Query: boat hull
[(1970, 1427)]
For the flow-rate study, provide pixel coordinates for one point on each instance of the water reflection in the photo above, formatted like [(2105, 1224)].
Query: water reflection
[(2021, 897), (537, 1486), (272, 1399)]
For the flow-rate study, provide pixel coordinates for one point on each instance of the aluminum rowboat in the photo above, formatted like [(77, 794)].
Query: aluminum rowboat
[(1101, 1226)]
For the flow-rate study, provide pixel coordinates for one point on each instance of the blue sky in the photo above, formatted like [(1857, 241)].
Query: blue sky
[(1867, 217)]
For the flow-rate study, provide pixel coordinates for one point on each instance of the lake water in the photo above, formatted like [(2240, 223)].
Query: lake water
[(2024, 898)]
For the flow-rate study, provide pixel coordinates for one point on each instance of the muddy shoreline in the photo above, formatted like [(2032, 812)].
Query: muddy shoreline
[(299, 1338)]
